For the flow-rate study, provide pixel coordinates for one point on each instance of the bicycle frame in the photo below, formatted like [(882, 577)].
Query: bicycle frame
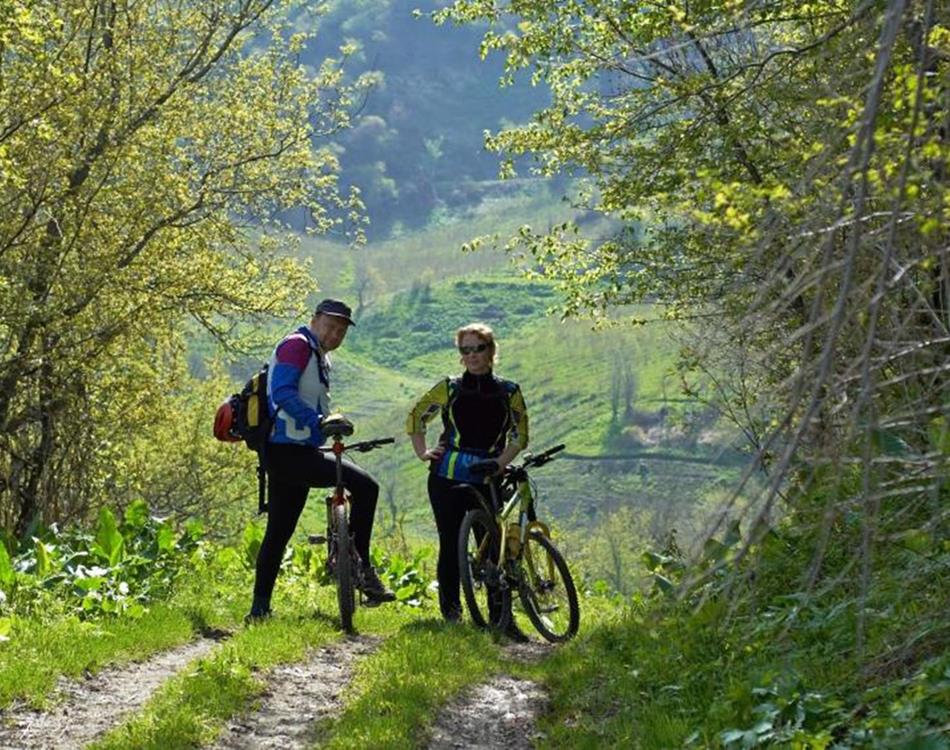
[(338, 496), (491, 576), (343, 561), (514, 535)]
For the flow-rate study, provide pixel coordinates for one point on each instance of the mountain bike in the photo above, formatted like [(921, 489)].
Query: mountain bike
[(343, 561), (504, 548)]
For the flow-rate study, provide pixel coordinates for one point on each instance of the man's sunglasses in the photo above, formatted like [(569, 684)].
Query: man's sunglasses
[(472, 349)]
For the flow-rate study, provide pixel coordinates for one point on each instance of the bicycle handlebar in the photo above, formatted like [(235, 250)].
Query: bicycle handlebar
[(363, 447), (543, 457)]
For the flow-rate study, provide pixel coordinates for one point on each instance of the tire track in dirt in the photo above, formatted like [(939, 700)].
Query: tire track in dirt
[(84, 709), (297, 697), (497, 715), (500, 714)]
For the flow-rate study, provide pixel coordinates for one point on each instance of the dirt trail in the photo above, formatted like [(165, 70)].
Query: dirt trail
[(498, 715), (87, 708), (298, 696)]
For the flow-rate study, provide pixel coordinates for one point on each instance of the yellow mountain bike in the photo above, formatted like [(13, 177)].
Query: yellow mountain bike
[(505, 549)]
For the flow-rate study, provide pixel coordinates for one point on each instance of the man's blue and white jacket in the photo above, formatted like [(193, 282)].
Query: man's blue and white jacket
[(298, 389)]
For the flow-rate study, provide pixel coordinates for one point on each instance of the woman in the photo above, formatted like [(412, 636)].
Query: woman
[(483, 416)]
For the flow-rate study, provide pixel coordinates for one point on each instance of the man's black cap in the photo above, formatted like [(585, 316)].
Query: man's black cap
[(337, 308)]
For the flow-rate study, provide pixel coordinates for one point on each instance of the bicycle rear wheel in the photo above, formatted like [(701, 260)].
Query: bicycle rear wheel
[(547, 590), (487, 595), (345, 593)]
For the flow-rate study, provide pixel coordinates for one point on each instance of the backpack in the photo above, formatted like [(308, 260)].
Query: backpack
[(245, 416)]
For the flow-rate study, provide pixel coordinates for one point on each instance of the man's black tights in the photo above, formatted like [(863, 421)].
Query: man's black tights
[(291, 471)]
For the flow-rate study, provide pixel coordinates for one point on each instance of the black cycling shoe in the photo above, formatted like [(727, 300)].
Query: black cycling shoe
[(260, 611), (373, 588), (514, 633)]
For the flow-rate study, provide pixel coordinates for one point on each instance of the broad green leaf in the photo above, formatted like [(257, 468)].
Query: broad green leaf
[(664, 584), (194, 529), (136, 515), (109, 542), (44, 562), (165, 538), (252, 538), (90, 583), (7, 574)]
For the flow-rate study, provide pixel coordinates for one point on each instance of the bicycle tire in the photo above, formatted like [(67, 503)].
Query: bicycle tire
[(345, 592), (547, 590), (487, 595)]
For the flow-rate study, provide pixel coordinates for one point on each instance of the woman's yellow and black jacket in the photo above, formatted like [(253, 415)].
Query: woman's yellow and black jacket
[(481, 414)]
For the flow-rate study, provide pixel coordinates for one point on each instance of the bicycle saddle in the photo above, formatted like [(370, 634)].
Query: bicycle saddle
[(485, 468), (334, 425)]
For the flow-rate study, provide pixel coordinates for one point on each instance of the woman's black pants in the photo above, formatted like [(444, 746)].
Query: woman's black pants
[(450, 501)]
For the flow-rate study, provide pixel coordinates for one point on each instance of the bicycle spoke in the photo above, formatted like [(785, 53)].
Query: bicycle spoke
[(547, 590), (486, 595)]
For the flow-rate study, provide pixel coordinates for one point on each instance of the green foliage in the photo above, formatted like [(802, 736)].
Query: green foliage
[(119, 569), (125, 136), (405, 576), (708, 660)]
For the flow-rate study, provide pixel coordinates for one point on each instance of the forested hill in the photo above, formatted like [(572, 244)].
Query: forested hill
[(415, 148)]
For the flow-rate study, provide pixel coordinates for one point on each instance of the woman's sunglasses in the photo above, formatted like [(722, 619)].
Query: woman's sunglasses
[(472, 349)]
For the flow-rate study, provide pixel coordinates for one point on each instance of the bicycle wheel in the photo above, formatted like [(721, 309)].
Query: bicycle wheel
[(345, 593), (547, 590), (487, 595)]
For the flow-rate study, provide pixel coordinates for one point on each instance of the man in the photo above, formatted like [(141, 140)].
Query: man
[(298, 393)]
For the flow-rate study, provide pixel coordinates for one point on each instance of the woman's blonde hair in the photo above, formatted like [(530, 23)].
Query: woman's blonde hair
[(483, 332)]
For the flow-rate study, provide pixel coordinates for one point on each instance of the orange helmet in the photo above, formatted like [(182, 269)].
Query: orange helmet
[(224, 422)]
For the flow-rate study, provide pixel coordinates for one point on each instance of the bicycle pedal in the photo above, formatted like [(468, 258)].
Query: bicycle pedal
[(317, 539)]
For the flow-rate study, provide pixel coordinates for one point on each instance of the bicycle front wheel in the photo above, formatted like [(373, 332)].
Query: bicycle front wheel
[(345, 593), (547, 590), (487, 595)]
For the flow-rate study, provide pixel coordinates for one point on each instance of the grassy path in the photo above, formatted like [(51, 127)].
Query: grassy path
[(292, 681), (87, 708), (298, 696)]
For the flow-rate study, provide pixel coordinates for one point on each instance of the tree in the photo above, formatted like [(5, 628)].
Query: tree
[(787, 162), (146, 152)]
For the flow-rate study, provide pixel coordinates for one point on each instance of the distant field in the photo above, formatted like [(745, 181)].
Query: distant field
[(434, 253)]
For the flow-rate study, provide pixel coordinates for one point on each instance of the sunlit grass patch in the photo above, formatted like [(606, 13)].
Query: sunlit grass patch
[(40, 652), (192, 707), (398, 690)]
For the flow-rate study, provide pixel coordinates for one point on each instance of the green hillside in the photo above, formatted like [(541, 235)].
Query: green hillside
[(632, 442)]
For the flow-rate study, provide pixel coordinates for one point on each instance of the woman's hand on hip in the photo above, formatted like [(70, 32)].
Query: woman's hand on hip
[(433, 454)]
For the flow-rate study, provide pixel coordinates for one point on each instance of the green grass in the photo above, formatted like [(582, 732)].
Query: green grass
[(397, 691), (40, 652), (192, 707)]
